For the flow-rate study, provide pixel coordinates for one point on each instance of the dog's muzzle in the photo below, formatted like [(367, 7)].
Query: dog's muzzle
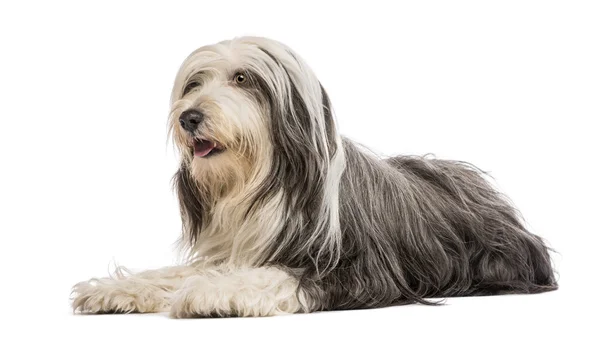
[(190, 120)]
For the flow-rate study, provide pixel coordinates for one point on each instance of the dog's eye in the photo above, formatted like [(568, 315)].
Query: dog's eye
[(240, 78), (188, 88)]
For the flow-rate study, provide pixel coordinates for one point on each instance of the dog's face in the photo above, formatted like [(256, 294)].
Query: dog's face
[(242, 107)]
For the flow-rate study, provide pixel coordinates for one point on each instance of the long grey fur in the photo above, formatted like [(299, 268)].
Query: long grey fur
[(410, 227)]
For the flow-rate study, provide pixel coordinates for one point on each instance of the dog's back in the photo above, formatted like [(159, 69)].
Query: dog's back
[(415, 227), (503, 256)]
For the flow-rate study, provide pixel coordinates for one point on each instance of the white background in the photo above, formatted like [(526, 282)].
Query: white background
[(511, 86)]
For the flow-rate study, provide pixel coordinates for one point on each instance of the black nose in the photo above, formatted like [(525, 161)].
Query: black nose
[(190, 119)]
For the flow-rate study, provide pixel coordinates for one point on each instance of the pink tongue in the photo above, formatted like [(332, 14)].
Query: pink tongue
[(202, 148)]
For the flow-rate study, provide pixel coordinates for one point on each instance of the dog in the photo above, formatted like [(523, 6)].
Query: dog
[(281, 214)]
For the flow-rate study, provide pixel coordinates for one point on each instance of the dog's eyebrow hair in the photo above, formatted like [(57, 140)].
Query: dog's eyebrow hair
[(270, 55), (198, 73), (192, 78)]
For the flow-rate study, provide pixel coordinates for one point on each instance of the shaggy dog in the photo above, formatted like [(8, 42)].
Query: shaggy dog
[(281, 214)]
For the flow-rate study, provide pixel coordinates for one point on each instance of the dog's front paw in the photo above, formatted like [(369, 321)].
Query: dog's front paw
[(118, 296), (234, 296)]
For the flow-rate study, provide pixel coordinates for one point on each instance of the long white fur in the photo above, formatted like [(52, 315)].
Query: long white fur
[(231, 240), (263, 291), (230, 236), (188, 291)]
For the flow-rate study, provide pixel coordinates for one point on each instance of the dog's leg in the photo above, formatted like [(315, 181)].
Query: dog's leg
[(124, 292), (223, 292)]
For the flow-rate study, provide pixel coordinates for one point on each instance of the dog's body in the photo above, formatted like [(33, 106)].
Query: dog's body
[(283, 215)]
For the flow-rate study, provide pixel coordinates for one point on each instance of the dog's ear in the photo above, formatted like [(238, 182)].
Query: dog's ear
[(191, 204), (301, 112), (306, 166), (303, 130), (303, 134)]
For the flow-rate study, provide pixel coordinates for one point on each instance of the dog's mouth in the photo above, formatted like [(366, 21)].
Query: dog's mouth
[(206, 148)]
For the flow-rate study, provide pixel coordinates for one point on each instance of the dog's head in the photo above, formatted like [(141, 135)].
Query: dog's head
[(241, 107), (256, 134)]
